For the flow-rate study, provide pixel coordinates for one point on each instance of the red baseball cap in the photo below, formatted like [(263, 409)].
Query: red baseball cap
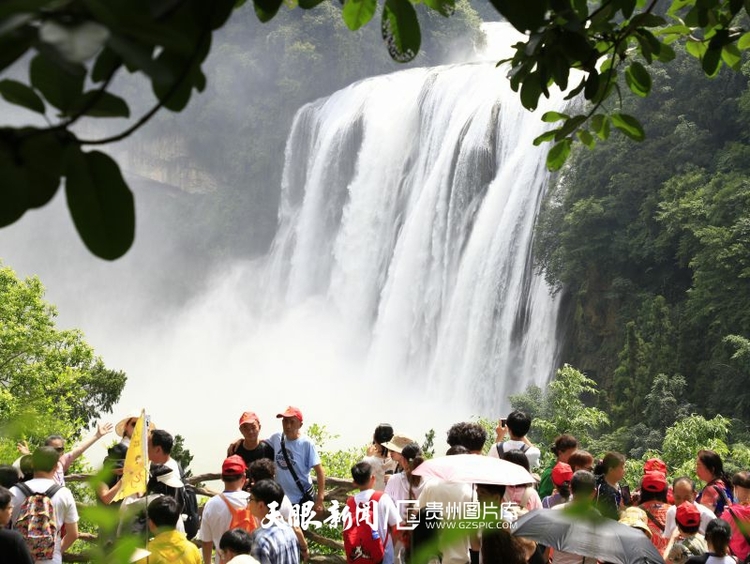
[(688, 515), (654, 482), (249, 417), (561, 473), (291, 411), (655, 465), (234, 466)]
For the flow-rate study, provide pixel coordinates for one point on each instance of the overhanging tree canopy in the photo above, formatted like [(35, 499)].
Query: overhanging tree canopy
[(77, 47)]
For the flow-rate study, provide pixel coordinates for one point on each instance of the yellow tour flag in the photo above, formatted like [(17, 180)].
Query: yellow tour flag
[(135, 471)]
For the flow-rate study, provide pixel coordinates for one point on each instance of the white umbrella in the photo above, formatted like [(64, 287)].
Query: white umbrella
[(474, 469)]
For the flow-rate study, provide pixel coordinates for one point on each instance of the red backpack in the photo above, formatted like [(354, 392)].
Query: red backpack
[(362, 543), (242, 518)]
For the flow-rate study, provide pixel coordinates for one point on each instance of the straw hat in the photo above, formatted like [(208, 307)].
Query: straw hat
[(397, 443), (120, 427), (636, 517)]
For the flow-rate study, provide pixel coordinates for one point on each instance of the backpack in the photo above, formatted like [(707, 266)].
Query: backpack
[(188, 501), (242, 518), (362, 543), (726, 499), (36, 521), (501, 449)]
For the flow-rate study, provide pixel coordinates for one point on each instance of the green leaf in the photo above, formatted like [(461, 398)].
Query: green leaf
[(443, 7), (570, 125), (647, 19), (101, 104), (695, 48), (524, 16), (586, 138), (711, 61), (100, 203), (731, 56), (744, 42), (60, 84), (400, 30), (266, 9), (666, 53), (627, 7), (600, 125), (592, 85), (629, 126), (176, 96), (42, 160), (122, 18), (638, 79), (308, 4), (13, 191), (531, 89), (22, 95), (576, 47), (357, 13), (551, 117), (544, 137), (15, 44), (679, 30), (106, 63), (9, 8), (558, 154), (137, 56)]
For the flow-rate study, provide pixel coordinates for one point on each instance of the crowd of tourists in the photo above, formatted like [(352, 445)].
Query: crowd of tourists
[(397, 515)]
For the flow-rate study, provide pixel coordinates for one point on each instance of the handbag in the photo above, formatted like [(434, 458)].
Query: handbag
[(308, 494)]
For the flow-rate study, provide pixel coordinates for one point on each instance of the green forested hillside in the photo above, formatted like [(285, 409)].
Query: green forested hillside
[(650, 242)]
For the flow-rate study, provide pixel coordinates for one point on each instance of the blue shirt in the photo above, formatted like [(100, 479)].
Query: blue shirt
[(303, 456)]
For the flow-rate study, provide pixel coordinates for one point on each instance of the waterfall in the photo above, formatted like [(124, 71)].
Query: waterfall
[(407, 212)]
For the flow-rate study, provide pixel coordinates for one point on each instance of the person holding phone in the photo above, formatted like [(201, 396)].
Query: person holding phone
[(383, 466), (515, 427)]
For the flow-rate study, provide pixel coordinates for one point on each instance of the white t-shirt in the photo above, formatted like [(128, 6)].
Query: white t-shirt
[(62, 501), (398, 489), (450, 498), (532, 453), (387, 517), (216, 517), (669, 526), (380, 466)]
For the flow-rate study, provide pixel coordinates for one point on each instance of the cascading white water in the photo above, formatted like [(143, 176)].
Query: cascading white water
[(407, 213)]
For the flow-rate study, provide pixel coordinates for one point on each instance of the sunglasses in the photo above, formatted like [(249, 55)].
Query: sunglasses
[(60, 449)]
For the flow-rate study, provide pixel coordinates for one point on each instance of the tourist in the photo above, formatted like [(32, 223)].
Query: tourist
[(516, 425)]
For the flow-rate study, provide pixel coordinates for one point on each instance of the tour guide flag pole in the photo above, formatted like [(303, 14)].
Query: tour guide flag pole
[(135, 472)]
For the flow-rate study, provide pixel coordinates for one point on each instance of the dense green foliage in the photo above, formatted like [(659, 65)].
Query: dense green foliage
[(565, 408), (51, 382), (650, 242)]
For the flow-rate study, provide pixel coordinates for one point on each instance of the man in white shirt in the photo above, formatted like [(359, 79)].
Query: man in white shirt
[(216, 517), (683, 489), (516, 425), (45, 461)]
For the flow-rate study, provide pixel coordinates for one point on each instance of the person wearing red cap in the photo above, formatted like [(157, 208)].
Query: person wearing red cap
[(217, 517), (683, 489), (295, 457), (654, 503), (561, 475), (250, 447), (686, 541)]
